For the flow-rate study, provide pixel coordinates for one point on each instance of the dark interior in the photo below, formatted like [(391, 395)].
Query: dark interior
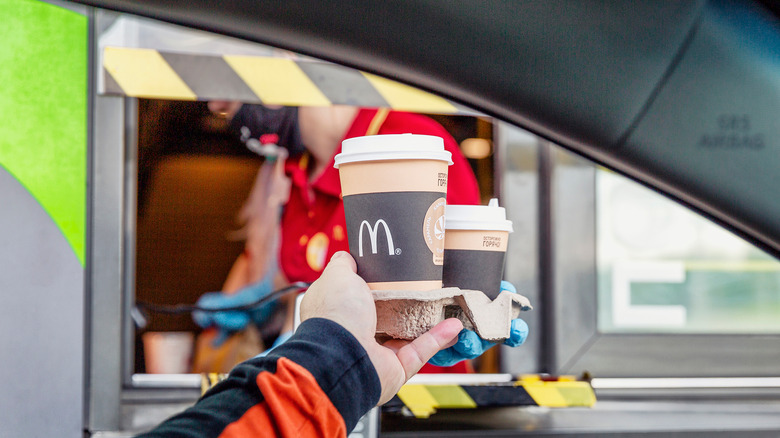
[(193, 177)]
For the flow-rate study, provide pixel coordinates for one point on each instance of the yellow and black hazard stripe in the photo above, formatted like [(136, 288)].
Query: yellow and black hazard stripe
[(422, 400), (255, 79), (209, 380)]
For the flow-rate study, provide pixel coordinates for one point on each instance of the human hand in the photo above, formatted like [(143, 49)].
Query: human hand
[(470, 345), (230, 321), (340, 295)]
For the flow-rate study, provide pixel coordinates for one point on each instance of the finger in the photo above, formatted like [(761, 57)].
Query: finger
[(453, 341), (414, 355), (341, 295), (341, 265), (344, 257), (282, 156), (505, 285), (232, 321), (517, 334), (446, 358), (487, 345), (341, 260), (395, 344), (202, 319), (469, 344)]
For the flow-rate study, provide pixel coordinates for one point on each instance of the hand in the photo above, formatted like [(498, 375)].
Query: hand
[(343, 297), (234, 320), (470, 345)]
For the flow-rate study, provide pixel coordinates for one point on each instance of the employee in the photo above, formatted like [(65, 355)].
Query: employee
[(313, 227)]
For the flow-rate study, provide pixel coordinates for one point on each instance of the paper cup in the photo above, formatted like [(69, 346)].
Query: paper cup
[(168, 352), (394, 189), (475, 247)]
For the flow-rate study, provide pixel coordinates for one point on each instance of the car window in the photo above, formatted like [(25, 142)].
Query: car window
[(662, 268)]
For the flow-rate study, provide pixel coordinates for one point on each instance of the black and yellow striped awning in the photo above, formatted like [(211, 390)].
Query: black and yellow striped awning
[(422, 400), (154, 74)]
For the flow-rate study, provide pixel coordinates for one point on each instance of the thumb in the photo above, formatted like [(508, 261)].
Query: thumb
[(337, 289), (415, 354), (341, 260)]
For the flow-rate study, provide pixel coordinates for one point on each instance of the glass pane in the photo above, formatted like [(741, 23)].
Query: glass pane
[(662, 268)]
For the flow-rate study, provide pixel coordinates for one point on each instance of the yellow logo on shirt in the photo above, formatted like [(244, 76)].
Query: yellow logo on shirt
[(338, 232), (317, 251)]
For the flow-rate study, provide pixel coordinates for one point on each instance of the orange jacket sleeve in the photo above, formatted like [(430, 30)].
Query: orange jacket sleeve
[(318, 383)]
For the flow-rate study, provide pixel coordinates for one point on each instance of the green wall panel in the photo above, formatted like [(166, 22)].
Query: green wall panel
[(43, 109)]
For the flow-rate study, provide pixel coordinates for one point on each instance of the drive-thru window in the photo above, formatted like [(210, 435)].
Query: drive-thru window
[(118, 187)]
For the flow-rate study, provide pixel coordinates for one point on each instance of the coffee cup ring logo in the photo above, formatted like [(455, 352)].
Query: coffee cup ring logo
[(438, 228), (433, 230), (372, 236)]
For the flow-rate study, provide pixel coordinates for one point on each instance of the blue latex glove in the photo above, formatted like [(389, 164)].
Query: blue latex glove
[(470, 345), (234, 320)]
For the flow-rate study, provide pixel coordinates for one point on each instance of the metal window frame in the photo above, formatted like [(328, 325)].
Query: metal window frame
[(111, 218), (577, 346), (517, 155), (106, 263), (564, 335)]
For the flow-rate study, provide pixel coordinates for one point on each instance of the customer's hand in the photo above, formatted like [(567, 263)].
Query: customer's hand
[(471, 346), (343, 297)]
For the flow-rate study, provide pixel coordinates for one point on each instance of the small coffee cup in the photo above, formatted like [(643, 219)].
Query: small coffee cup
[(394, 189), (475, 247)]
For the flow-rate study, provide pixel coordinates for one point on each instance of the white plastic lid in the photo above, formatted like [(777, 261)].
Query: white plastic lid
[(392, 147), (477, 217)]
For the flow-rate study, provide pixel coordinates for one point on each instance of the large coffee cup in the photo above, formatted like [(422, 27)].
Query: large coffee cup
[(394, 189), (475, 247)]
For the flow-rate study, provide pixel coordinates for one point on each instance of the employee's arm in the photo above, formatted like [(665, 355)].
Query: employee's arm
[(321, 381)]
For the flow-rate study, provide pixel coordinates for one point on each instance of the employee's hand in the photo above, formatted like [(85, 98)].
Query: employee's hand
[(231, 321), (470, 345), (343, 297)]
